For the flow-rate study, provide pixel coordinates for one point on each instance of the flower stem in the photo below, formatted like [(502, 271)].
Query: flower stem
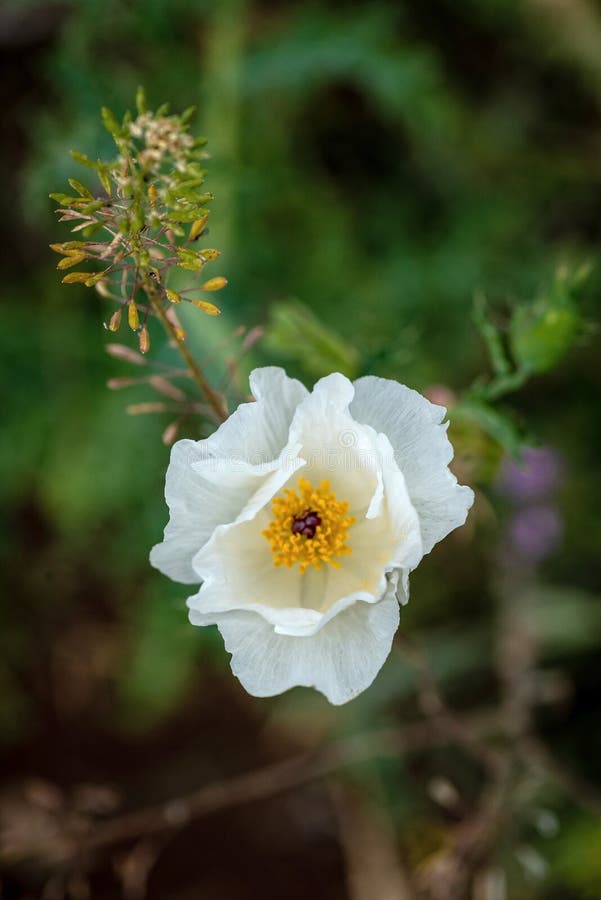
[(212, 397)]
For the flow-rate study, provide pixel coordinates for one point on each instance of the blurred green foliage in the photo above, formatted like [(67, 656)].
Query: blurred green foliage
[(382, 163)]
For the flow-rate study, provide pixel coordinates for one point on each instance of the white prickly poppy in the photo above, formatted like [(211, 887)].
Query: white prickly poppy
[(301, 517)]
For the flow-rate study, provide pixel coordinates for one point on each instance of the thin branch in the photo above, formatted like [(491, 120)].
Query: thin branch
[(436, 710), (213, 399), (263, 783), (448, 874), (369, 844), (539, 758)]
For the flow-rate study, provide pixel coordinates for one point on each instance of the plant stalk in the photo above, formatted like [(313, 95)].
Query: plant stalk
[(212, 397)]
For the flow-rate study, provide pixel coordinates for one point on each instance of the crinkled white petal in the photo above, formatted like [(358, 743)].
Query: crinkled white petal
[(403, 519), (401, 585), (257, 432), (203, 494), (197, 506), (422, 451), (210, 482), (341, 660), (334, 446)]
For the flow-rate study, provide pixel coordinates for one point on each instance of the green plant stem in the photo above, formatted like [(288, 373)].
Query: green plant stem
[(213, 399), (506, 384)]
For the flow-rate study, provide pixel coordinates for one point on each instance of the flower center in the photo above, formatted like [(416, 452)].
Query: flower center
[(306, 524), (310, 527)]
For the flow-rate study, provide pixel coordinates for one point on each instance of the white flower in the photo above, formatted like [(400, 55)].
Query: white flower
[(302, 516)]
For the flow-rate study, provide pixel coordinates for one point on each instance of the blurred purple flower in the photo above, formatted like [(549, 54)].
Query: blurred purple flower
[(535, 532), (534, 477)]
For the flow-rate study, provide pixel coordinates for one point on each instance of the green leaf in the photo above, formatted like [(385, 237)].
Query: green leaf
[(90, 282), (111, 124), (296, 333), (492, 336), (141, 100), (104, 177), (93, 207), (84, 160), (77, 277), (66, 199), (81, 189), (186, 214), (541, 337), (191, 259), (187, 114), (92, 229), (543, 332), (192, 184), (496, 423), (69, 245)]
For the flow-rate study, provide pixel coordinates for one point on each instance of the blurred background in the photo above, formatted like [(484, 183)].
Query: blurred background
[(374, 166)]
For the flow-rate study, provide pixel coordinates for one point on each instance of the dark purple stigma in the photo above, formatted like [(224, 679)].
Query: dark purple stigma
[(306, 524)]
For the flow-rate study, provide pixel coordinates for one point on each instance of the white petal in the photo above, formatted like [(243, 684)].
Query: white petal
[(341, 660), (258, 432), (336, 447), (210, 482), (198, 504), (422, 451), (400, 579), (404, 523)]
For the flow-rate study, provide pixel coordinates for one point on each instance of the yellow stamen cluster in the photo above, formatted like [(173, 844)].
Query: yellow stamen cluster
[(329, 539)]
